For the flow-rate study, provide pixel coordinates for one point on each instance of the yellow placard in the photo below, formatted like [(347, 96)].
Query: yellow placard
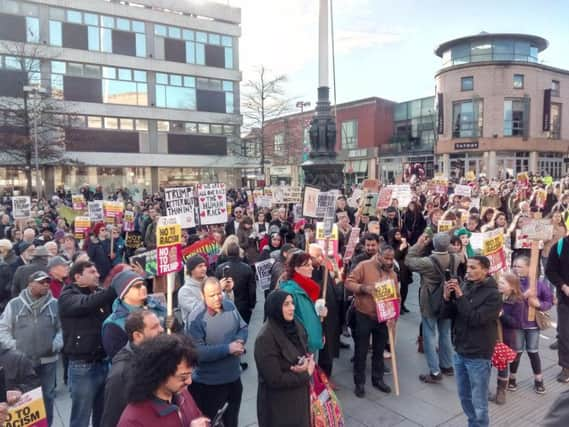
[(385, 291), (28, 411), (445, 225), (320, 232), (492, 244), (167, 235)]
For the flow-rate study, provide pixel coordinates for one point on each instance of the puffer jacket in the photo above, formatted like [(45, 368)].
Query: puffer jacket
[(37, 334)]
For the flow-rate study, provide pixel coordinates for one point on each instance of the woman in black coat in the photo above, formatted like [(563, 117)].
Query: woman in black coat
[(284, 370), (400, 245), (413, 223)]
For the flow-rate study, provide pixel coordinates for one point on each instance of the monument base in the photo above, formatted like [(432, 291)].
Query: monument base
[(325, 175)]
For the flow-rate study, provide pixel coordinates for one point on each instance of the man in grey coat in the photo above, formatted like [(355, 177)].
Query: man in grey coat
[(190, 294), (432, 271)]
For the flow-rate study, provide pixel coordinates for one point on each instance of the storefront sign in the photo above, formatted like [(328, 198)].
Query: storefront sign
[(466, 145)]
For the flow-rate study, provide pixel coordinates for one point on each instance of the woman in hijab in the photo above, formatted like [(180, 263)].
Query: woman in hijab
[(283, 365)]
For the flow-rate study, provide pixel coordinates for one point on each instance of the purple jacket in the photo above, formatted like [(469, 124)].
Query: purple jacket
[(544, 295), (511, 320)]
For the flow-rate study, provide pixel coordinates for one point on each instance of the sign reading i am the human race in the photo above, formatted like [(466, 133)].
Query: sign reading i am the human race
[(180, 202), (21, 207), (212, 202)]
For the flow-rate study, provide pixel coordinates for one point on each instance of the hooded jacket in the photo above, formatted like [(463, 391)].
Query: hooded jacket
[(20, 374), (189, 297), (475, 315), (36, 333)]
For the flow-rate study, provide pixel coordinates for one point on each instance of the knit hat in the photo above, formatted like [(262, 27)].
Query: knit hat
[(441, 242), (23, 246), (462, 231), (41, 251), (194, 261), (97, 228), (429, 231), (122, 282), (56, 261), (59, 234)]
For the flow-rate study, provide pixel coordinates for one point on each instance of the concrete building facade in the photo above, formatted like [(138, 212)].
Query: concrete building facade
[(499, 110), (149, 89)]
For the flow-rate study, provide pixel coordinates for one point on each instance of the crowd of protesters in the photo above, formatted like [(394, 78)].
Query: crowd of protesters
[(89, 306)]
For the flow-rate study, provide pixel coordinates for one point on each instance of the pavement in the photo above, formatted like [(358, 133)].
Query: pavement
[(418, 404)]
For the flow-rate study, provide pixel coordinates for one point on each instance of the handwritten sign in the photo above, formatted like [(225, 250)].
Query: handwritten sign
[(180, 202), (538, 229), (263, 273), (402, 193), (310, 202), (82, 227), (445, 225), (21, 207), (212, 202), (286, 194), (384, 199), (463, 190), (386, 300), (78, 202), (128, 221), (352, 242), (95, 209), (326, 201), (29, 411)]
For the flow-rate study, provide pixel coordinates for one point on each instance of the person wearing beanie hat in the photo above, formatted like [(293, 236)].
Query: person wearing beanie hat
[(465, 235), (132, 295), (190, 294), (432, 271)]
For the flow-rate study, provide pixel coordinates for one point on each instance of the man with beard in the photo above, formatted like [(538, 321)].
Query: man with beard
[(371, 243)]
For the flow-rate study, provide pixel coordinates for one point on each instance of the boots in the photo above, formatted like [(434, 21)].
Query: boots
[(420, 344), (500, 398)]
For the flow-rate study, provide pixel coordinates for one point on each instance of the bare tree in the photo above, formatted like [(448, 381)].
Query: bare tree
[(29, 116), (263, 99)]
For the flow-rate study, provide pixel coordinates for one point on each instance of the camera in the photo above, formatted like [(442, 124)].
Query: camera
[(448, 277)]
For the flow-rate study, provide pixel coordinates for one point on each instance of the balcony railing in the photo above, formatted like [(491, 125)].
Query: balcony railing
[(401, 145)]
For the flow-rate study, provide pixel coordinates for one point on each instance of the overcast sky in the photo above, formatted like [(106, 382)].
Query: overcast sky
[(385, 48)]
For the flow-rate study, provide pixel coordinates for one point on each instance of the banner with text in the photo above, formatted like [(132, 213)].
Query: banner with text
[(212, 202), (180, 202)]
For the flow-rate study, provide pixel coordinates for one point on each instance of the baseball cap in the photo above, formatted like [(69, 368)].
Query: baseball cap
[(38, 276)]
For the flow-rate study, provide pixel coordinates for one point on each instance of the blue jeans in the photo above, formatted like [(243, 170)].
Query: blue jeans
[(87, 388), (472, 377), (442, 358), (48, 374)]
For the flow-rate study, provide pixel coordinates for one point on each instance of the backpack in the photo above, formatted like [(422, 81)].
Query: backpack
[(436, 300)]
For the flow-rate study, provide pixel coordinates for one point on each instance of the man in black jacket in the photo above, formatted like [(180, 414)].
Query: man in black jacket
[(557, 271), (18, 370), (139, 326), (82, 309), (475, 308)]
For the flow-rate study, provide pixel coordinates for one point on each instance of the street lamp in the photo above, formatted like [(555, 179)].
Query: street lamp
[(37, 91)]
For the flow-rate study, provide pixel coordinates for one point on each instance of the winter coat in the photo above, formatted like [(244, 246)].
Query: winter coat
[(413, 226), (475, 315), (332, 324), (82, 313), (19, 371), (99, 251), (118, 381), (305, 313), (153, 412), (544, 295), (557, 271), (511, 320), (36, 333), (244, 285), (430, 277), (189, 297), (283, 398)]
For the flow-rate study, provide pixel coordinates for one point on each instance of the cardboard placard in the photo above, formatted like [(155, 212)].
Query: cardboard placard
[(82, 227), (78, 202), (28, 411), (386, 300), (402, 193), (95, 210), (463, 190), (371, 185), (133, 240), (493, 248), (538, 229), (21, 207), (445, 225), (286, 194), (326, 201), (523, 241), (212, 202), (352, 242), (179, 201), (168, 259), (168, 231), (310, 202), (384, 198), (263, 273), (128, 221)]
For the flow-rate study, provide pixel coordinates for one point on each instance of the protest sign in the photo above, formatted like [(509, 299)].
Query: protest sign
[(168, 231), (402, 193), (445, 225), (538, 229), (78, 202), (82, 227), (212, 202), (493, 249), (179, 202), (386, 300), (168, 259), (320, 232), (95, 210), (208, 248), (384, 198), (21, 207), (310, 202), (475, 202), (263, 273), (371, 185), (263, 201), (326, 201), (352, 242), (476, 241), (522, 241), (439, 185), (133, 240), (128, 221), (370, 204), (28, 411), (463, 190), (168, 245), (286, 194), (354, 199), (540, 198), (147, 260), (112, 210)]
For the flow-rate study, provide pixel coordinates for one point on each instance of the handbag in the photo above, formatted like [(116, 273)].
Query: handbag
[(543, 319), (325, 410), (503, 355)]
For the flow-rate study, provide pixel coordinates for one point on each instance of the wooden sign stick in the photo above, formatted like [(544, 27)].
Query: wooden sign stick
[(391, 332), (533, 266)]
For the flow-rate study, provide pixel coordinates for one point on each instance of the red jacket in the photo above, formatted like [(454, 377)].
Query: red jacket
[(151, 413), (56, 286)]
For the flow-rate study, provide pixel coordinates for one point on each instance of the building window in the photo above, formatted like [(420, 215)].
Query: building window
[(175, 91), (555, 88), (349, 131), (467, 118), (278, 143), (518, 81), (515, 117), (555, 125), (467, 83)]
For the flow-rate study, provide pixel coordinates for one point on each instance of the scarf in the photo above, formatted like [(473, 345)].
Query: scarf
[(308, 285), (274, 306), (35, 304)]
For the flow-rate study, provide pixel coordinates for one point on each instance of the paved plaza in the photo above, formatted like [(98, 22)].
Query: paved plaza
[(418, 404)]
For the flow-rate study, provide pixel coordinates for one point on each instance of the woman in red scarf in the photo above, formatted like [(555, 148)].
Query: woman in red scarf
[(309, 309)]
